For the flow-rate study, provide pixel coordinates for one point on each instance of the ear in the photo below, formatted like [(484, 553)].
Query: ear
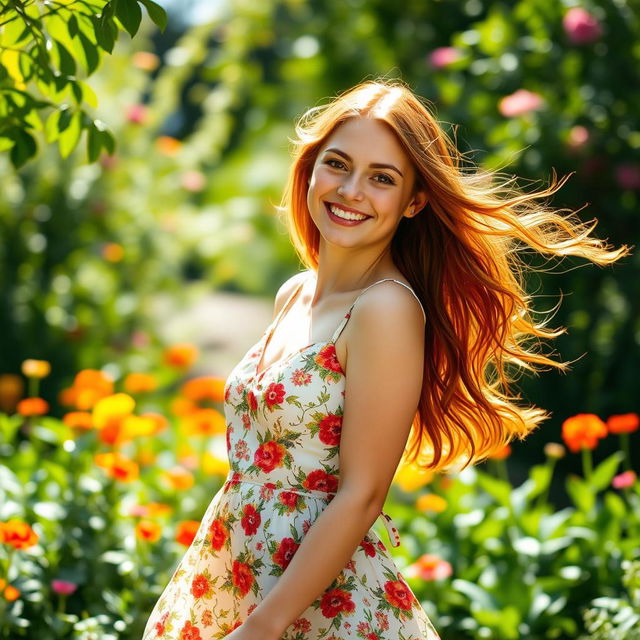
[(417, 203)]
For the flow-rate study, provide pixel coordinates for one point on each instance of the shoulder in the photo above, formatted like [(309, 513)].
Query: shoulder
[(287, 288)]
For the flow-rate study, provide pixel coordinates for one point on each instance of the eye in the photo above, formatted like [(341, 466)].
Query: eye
[(387, 179), (333, 160)]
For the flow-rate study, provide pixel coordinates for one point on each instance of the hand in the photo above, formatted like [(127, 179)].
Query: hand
[(251, 630)]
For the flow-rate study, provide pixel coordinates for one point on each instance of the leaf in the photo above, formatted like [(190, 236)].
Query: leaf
[(70, 136), (156, 13), (498, 489), (130, 14), (94, 143), (23, 149), (476, 594), (91, 57), (604, 472), (66, 63), (581, 493)]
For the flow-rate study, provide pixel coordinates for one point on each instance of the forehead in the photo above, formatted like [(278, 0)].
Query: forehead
[(367, 139)]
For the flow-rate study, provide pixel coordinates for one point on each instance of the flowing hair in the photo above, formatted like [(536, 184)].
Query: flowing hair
[(461, 254)]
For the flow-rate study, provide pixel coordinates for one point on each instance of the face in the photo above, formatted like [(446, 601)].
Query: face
[(362, 185)]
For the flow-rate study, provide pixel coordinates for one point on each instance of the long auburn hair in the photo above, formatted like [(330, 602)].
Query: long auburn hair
[(461, 255)]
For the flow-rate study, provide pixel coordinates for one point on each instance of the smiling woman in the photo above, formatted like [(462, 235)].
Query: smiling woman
[(406, 317)]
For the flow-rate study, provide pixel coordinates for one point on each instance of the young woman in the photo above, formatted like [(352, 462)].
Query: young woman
[(410, 308)]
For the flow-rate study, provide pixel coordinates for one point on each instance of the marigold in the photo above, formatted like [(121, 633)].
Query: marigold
[(11, 593), (112, 252), (118, 466), (186, 531), (204, 388), (36, 368), (180, 356), (150, 510), (203, 422), (18, 534), (431, 502), (89, 386), (623, 423), (179, 478), (182, 406), (429, 567), (32, 407), (213, 465), (411, 476), (148, 530), (78, 419), (137, 426), (140, 383), (583, 430)]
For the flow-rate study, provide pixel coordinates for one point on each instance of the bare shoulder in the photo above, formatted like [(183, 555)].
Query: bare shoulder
[(287, 288)]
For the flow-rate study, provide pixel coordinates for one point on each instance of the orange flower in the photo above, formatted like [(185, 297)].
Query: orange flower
[(78, 419), (181, 356), (168, 146), (112, 252), (118, 466), (160, 421), (583, 430), (146, 457), (11, 593), (204, 388), (89, 386), (32, 407), (11, 390), (17, 534), (110, 415), (179, 478), (140, 383), (429, 567), (182, 406), (36, 368), (203, 422), (145, 60), (150, 510), (431, 502), (501, 453), (148, 530), (623, 423), (186, 531)]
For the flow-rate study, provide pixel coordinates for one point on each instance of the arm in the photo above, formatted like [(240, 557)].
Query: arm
[(382, 390)]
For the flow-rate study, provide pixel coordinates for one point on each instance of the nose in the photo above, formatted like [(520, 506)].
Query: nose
[(349, 187)]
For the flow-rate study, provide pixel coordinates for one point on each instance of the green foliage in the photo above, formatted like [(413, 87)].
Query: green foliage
[(40, 43)]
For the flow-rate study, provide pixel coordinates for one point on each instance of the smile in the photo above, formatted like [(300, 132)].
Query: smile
[(345, 215)]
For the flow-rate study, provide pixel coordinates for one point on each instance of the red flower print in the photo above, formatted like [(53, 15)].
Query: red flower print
[(251, 520), (383, 620), (300, 378), (161, 624), (246, 421), (218, 533), (266, 491), (207, 617), (200, 586), (381, 546), (289, 499), (302, 624), (336, 601), (362, 628), (226, 393), (372, 636), (242, 576), (285, 551), (252, 402), (320, 480), (398, 594), (189, 632), (330, 429), (274, 395), (269, 455), (327, 358), (369, 548)]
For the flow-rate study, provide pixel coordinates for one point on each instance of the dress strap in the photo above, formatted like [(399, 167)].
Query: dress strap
[(344, 321)]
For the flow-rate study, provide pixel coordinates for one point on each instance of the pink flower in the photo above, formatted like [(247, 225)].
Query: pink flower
[(443, 57), (63, 587), (193, 181), (137, 114), (520, 102), (429, 567), (628, 175), (578, 137), (624, 480), (581, 27)]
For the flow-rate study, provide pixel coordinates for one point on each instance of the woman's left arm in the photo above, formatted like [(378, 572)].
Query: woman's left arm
[(386, 352)]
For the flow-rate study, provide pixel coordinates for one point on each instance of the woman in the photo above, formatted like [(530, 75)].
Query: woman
[(411, 296)]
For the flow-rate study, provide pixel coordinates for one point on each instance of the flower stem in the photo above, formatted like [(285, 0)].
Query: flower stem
[(624, 444), (587, 464)]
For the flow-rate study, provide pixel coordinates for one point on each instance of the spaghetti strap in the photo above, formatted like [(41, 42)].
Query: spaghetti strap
[(342, 324)]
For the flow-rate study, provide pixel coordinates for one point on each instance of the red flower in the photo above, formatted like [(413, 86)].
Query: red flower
[(200, 586), (330, 429), (251, 520), (583, 430), (320, 480), (274, 395), (398, 594), (189, 632), (623, 423), (369, 548), (269, 455), (289, 499), (161, 624), (186, 531), (336, 601), (218, 534), (252, 401), (327, 358), (266, 491), (242, 576), (285, 551)]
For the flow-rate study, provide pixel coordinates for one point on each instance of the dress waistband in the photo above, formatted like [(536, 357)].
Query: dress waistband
[(236, 477)]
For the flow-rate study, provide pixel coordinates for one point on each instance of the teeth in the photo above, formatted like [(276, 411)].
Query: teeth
[(346, 215)]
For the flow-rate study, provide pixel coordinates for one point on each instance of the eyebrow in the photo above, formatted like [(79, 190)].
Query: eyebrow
[(376, 165)]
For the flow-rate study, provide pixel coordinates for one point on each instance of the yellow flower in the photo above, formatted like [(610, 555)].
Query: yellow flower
[(431, 502), (213, 465), (116, 406), (36, 368), (411, 476)]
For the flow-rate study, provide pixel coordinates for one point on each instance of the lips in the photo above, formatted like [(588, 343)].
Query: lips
[(349, 209)]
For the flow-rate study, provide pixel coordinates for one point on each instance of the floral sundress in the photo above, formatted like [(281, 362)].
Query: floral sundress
[(283, 444)]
